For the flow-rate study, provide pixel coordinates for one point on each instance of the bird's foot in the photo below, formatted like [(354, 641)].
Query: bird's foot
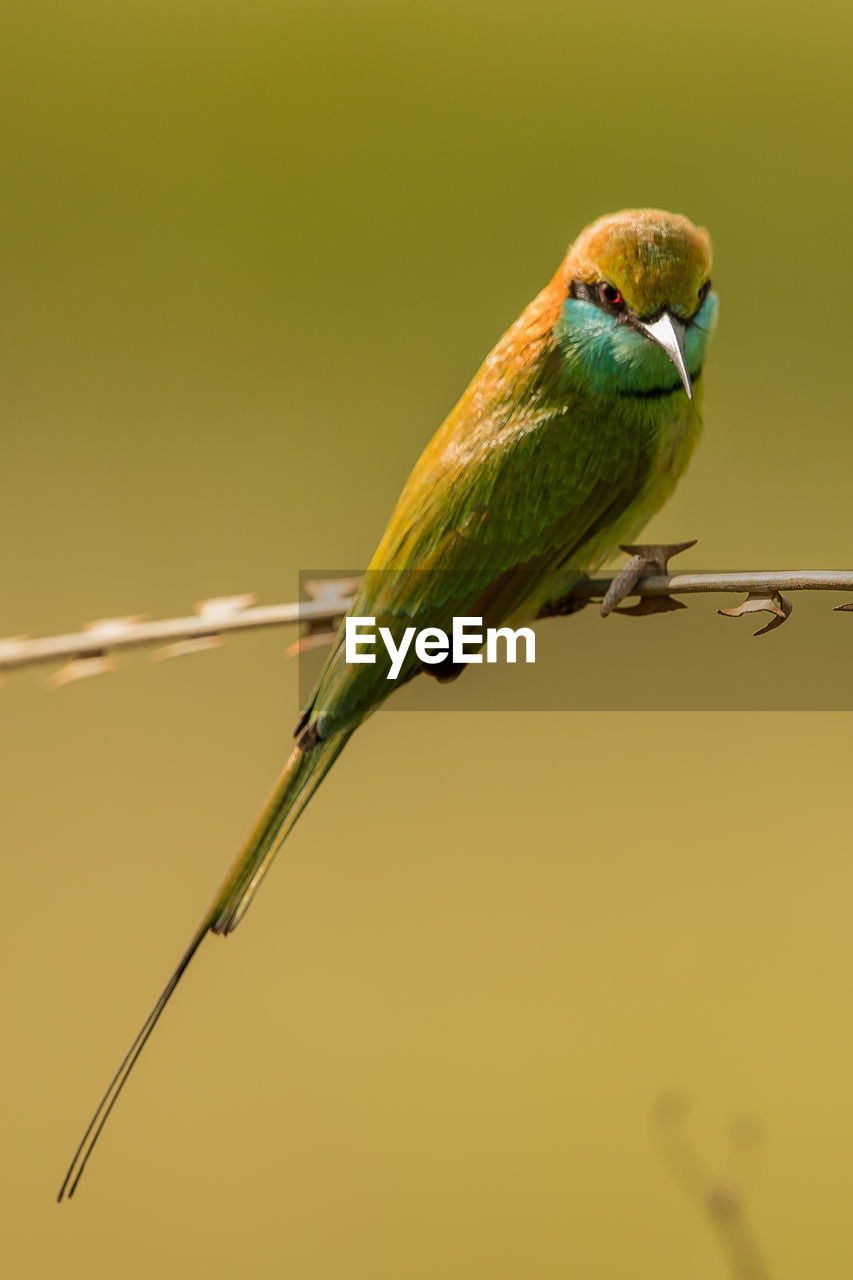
[(646, 560)]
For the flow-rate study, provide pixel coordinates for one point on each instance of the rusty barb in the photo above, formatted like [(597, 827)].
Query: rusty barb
[(93, 650)]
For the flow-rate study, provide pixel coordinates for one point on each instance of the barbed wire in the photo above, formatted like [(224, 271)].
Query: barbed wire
[(94, 649), (720, 1197)]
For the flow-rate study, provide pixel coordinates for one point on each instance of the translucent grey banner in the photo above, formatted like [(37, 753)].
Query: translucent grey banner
[(689, 659)]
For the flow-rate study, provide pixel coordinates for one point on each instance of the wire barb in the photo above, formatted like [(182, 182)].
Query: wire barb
[(646, 559), (721, 1198), (762, 602)]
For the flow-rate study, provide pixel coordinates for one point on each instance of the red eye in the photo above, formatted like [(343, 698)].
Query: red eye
[(610, 295)]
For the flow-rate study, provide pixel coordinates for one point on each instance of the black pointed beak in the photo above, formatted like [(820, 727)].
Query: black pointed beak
[(668, 332)]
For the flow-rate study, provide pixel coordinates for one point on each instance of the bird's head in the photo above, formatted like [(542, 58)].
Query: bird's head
[(638, 306)]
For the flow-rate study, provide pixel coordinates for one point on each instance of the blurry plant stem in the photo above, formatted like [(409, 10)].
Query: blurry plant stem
[(721, 1199), (92, 651)]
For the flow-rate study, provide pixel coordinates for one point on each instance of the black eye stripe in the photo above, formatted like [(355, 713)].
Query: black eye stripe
[(594, 293), (584, 292)]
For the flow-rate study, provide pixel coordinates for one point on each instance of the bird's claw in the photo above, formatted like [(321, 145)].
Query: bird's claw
[(645, 559)]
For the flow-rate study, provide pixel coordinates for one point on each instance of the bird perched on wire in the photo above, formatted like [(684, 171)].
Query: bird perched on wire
[(572, 434)]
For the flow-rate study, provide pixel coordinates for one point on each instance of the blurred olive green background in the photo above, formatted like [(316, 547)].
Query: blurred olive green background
[(251, 255)]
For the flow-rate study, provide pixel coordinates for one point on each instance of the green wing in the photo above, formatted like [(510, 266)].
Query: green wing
[(497, 503)]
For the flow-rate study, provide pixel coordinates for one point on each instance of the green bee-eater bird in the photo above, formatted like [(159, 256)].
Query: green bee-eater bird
[(572, 434)]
